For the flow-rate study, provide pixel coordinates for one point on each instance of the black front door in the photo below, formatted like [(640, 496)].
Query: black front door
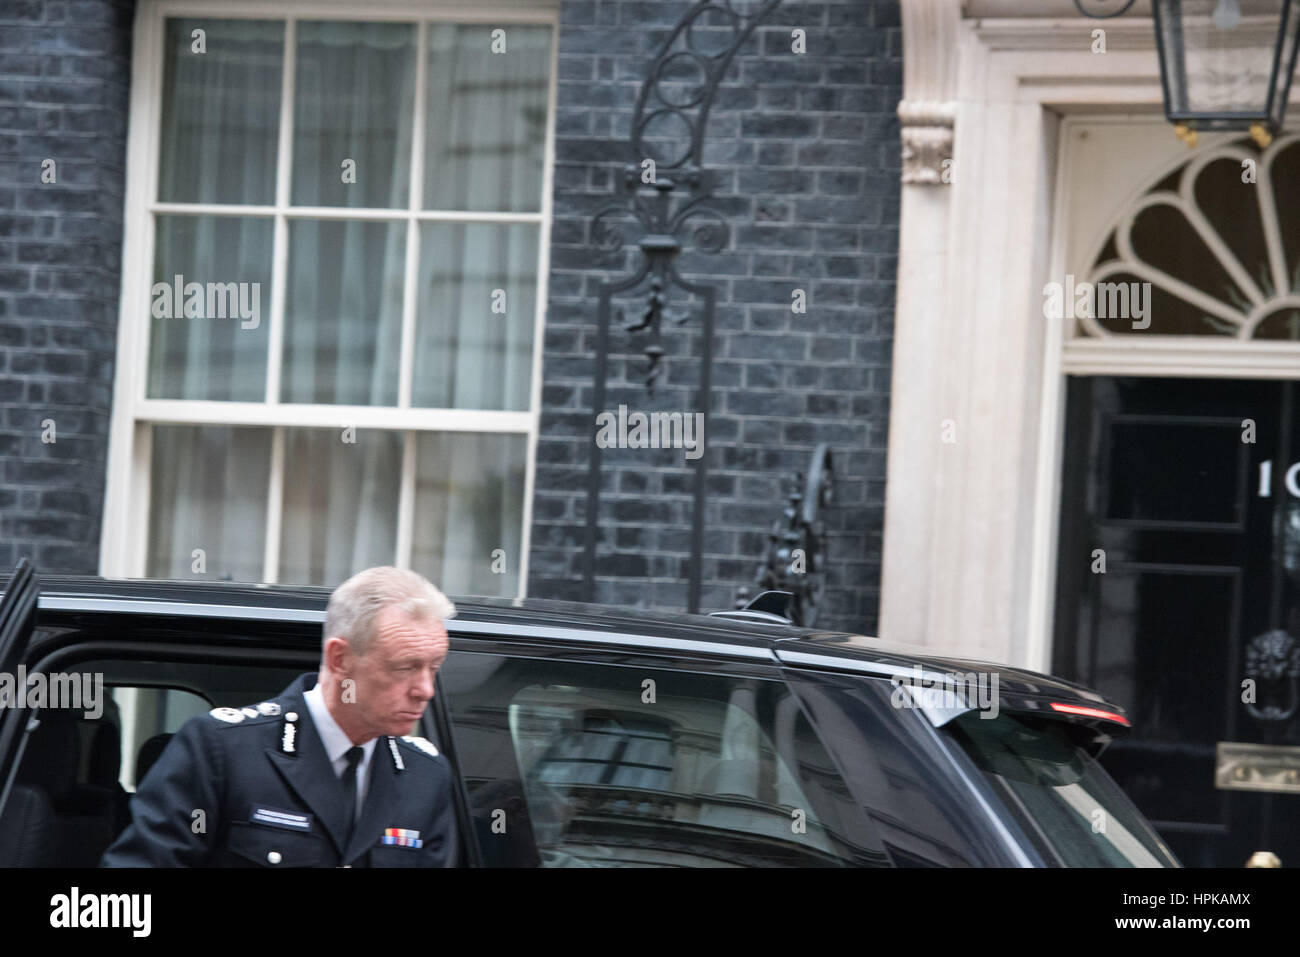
[(1178, 594)]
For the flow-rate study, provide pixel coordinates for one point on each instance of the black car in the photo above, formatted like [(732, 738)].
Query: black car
[(587, 736)]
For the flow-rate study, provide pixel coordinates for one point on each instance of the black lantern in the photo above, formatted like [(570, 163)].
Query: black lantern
[(1224, 64)]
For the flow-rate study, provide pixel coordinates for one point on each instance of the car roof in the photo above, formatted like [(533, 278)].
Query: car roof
[(242, 600), (541, 618)]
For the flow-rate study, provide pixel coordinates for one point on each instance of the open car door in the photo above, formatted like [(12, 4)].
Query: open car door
[(17, 621)]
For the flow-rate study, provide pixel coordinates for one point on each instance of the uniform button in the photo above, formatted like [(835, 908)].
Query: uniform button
[(291, 716), (273, 857)]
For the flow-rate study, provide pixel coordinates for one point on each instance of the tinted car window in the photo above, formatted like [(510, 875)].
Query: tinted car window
[(925, 813), (1071, 808), (574, 764)]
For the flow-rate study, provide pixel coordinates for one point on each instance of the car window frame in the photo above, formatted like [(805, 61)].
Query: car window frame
[(19, 621), (223, 641), (564, 645)]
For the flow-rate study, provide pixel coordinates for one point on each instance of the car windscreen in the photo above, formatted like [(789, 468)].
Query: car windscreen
[(1063, 799)]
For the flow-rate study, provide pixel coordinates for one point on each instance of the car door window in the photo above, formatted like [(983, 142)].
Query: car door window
[(72, 785), (577, 764), (149, 717)]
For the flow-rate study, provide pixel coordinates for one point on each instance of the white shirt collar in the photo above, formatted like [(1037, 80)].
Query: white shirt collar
[(337, 743)]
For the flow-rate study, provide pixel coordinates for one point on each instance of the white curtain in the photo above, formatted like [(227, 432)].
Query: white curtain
[(466, 355), (354, 96), (484, 151), (220, 122), (340, 503), (468, 502), (221, 111), (486, 119), (209, 492)]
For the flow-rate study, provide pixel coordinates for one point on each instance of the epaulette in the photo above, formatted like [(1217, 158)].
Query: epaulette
[(267, 709), (422, 744)]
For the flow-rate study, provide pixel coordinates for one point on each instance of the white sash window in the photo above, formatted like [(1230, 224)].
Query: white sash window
[(333, 293)]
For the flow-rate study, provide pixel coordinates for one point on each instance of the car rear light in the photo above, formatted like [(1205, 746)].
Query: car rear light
[(1090, 713)]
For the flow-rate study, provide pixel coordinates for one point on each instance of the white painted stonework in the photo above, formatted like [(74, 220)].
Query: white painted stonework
[(1050, 144)]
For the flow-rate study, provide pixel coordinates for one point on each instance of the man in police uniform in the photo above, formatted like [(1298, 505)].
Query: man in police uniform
[(326, 773)]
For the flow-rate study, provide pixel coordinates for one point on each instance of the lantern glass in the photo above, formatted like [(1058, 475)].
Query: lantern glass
[(1227, 64)]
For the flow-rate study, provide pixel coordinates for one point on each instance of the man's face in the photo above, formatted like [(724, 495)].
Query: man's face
[(394, 678)]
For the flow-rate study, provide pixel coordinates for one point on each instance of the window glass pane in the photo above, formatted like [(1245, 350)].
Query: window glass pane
[(220, 111), (476, 314), (486, 119), (717, 771), (343, 313), (209, 304), (353, 100), (155, 715), (209, 493), (896, 769), (1058, 791), (340, 503), (469, 493)]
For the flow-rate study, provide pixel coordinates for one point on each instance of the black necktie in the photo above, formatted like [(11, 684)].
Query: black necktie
[(349, 780)]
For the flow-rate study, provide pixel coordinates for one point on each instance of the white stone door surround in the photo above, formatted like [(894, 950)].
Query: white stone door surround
[(1047, 141)]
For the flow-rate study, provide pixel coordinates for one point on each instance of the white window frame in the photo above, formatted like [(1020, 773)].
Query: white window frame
[(124, 537)]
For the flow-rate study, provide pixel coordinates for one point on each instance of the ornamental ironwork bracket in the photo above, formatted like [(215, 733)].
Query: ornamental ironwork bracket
[(662, 193), (668, 198), (796, 551)]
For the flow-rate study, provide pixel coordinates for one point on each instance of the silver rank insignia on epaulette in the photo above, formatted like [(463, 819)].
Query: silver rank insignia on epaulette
[(422, 743), (231, 715), (249, 712), (268, 708), (290, 732), (397, 758)]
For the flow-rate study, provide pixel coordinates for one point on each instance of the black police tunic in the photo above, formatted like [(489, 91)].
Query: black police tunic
[(243, 787)]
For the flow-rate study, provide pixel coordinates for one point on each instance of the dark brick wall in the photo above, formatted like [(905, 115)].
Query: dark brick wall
[(806, 147), (64, 73)]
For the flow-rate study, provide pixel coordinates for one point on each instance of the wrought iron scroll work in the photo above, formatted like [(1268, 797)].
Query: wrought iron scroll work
[(796, 551), (663, 196), (678, 189)]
